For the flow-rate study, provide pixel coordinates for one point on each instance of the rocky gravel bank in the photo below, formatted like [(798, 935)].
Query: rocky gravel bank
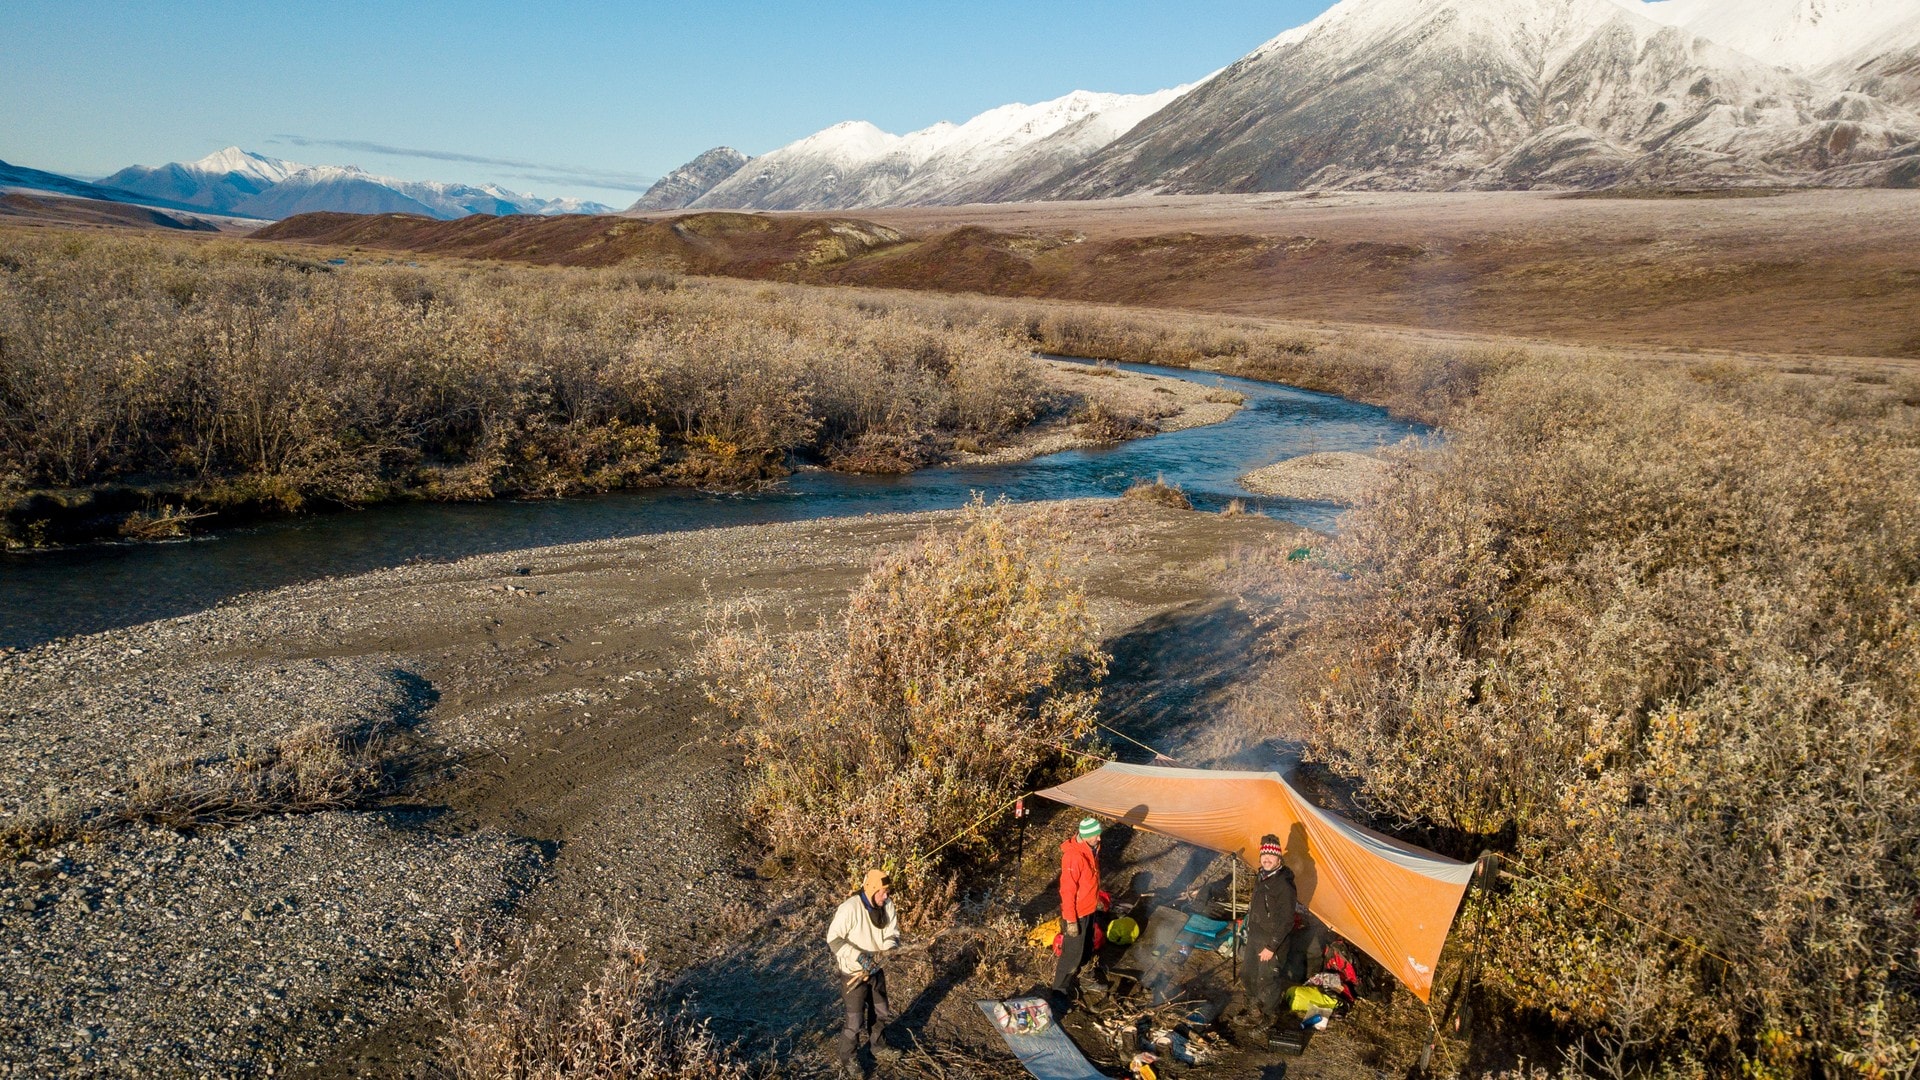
[(235, 952), (1340, 476)]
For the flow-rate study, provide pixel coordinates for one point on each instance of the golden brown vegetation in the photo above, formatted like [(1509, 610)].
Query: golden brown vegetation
[(1834, 267), (1158, 492), (1656, 633), (147, 381), (1419, 380), (323, 766), (228, 375), (961, 670), (514, 1023)]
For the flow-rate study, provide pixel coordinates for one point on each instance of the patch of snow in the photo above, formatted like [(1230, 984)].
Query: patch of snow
[(1800, 34)]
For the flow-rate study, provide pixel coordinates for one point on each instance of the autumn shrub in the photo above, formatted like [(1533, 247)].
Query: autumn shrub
[(962, 669), (1107, 425), (515, 1019), (1655, 633)]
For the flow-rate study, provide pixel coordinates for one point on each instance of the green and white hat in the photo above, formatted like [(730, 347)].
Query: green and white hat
[(1089, 828)]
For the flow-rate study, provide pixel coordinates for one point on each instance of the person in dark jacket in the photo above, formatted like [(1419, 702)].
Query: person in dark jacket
[(1269, 926)]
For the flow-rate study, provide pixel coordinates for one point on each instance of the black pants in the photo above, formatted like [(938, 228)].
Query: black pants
[(1074, 950), (1265, 979), (858, 998)]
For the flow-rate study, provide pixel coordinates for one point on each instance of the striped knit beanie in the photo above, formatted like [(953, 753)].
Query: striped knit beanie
[(1270, 845), (1089, 829)]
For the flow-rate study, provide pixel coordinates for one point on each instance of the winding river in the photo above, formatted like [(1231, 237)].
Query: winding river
[(51, 594)]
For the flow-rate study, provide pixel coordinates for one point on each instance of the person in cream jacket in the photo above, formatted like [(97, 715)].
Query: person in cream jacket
[(865, 927)]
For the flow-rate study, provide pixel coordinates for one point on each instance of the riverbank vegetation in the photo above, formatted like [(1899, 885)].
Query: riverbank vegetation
[(1652, 635), (1655, 635), (149, 383), (1418, 380)]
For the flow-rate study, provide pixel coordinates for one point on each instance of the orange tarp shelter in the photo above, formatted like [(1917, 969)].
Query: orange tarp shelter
[(1392, 900)]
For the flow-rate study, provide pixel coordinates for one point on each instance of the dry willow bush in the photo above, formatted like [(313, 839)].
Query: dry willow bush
[(226, 375), (330, 765), (1658, 634), (1159, 493), (513, 1023), (960, 671)]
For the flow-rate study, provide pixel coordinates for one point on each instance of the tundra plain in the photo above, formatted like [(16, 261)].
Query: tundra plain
[(1669, 543)]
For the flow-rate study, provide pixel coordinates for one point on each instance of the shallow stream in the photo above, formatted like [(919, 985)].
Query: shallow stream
[(51, 594)]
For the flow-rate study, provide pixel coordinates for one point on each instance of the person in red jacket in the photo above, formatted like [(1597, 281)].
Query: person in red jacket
[(1079, 899)]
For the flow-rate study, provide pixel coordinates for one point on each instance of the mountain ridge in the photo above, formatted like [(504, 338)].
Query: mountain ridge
[(1471, 94), (854, 164), (690, 181)]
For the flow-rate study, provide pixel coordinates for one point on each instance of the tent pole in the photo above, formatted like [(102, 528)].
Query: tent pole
[(1020, 850), (1233, 909)]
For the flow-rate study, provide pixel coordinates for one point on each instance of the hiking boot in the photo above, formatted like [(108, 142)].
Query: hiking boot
[(1060, 1001), (882, 1050)]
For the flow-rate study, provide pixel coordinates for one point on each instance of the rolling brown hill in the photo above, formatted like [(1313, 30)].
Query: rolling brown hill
[(1816, 272), (724, 244)]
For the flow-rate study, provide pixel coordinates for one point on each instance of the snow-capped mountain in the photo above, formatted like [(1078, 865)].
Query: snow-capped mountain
[(690, 181), (242, 182), (855, 164), (1423, 94), (220, 181), (1426, 94), (1888, 70), (566, 204)]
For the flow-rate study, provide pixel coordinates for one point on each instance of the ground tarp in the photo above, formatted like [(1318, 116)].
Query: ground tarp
[(1048, 1054), (1393, 900)]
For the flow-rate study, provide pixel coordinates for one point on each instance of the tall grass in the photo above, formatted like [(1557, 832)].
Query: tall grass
[(228, 375), (1423, 381), (515, 1020), (1657, 634)]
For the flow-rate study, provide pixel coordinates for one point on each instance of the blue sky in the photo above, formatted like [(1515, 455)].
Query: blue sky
[(593, 100)]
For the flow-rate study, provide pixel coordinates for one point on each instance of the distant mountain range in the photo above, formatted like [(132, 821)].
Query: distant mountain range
[(1420, 95), (1373, 95), (241, 183)]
